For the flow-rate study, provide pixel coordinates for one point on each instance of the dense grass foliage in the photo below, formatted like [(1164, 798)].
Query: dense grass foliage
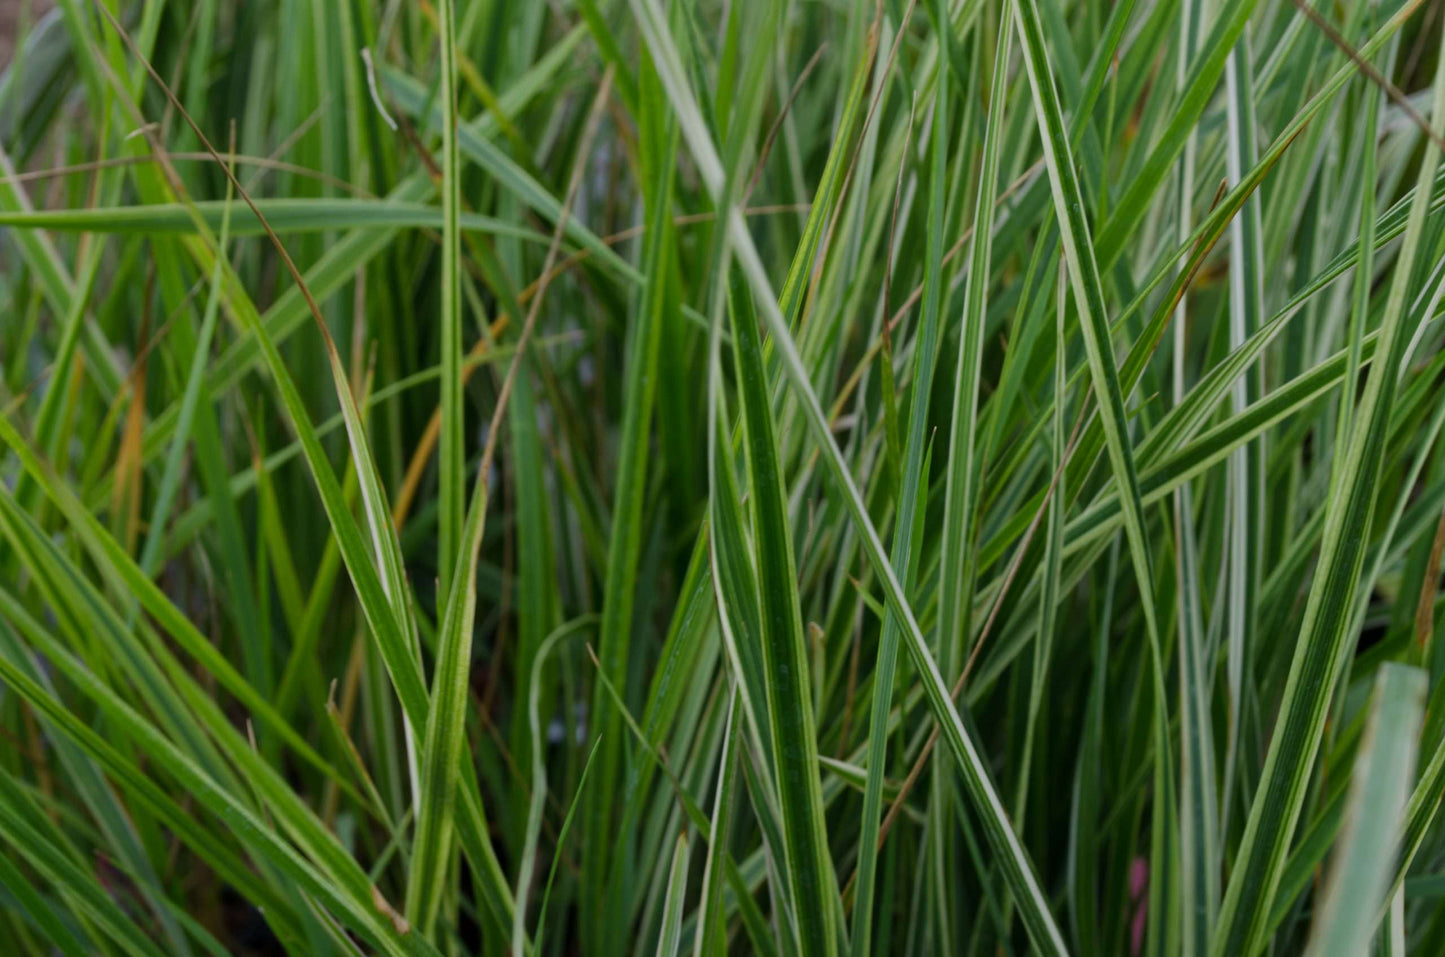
[(795, 477)]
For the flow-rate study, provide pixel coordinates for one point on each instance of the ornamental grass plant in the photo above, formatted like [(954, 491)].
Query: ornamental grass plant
[(784, 477)]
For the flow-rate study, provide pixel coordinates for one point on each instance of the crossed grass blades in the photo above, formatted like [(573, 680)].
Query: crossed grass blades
[(784, 478)]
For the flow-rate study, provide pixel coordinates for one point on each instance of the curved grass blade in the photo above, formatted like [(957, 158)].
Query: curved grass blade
[(539, 783), (561, 843)]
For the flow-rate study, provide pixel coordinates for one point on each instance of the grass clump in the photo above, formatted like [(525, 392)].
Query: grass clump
[(786, 478)]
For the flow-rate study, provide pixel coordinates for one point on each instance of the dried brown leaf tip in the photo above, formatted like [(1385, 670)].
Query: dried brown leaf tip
[(398, 922)]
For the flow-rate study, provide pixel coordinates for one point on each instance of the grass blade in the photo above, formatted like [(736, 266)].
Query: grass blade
[(452, 465), (676, 892), (1380, 782), (785, 656)]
